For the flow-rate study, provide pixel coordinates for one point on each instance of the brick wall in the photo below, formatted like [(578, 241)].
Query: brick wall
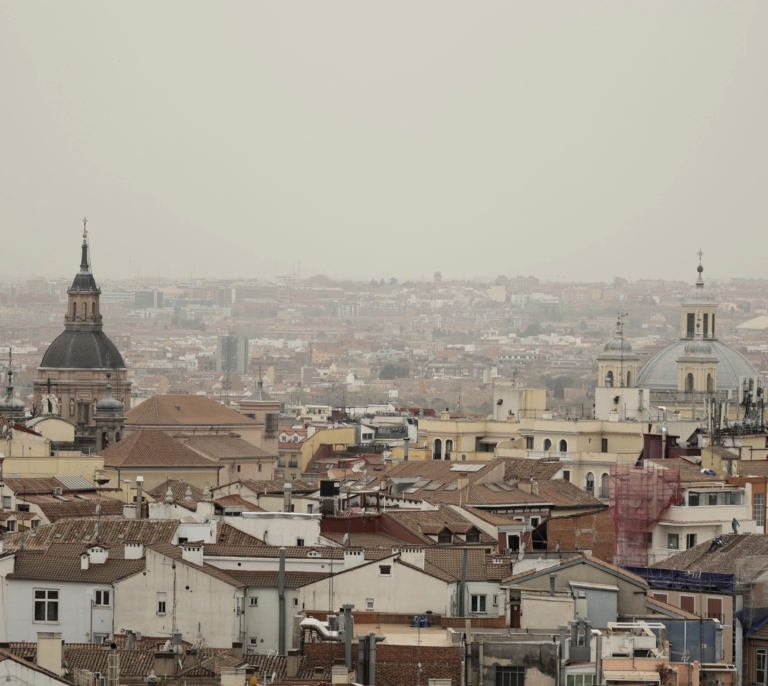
[(396, 665), (584, 532)]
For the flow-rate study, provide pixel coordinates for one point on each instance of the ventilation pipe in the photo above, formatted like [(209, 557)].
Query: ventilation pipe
[(349, 627), (113, 666), (552, 579), (139, 495), (406, 441), (362, 650), (372, 659), (287, 488), (281, 593)]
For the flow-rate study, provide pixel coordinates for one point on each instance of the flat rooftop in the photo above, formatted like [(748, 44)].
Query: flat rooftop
[(402, 635)]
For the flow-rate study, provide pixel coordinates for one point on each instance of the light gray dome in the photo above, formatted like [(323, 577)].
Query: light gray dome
[(11, 406), (698, 348), (660, 372), (698, 295)]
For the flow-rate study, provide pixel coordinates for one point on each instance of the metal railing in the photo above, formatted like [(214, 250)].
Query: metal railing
[(551, 455)]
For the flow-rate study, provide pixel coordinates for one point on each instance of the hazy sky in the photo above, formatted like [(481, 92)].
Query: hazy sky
[(579, 140)]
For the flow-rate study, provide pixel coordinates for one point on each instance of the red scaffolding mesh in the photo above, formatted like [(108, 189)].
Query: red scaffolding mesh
[(639, 498)]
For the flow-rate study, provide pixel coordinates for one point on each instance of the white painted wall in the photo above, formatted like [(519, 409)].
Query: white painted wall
[(279, 528), (15, 673), (407, 591), (262, 622), (78, 619), (203, 603)]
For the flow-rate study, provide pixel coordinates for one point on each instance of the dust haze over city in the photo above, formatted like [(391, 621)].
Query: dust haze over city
[(418, 343)]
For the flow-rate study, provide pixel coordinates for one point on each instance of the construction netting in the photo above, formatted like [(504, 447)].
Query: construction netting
[(639, 498)]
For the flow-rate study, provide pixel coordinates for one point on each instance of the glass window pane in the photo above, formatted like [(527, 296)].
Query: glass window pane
[(39, 594), (39, 611), (53, 611), (53, 595)]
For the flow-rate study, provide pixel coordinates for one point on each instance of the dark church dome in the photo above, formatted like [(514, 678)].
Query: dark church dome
[(82, 349)]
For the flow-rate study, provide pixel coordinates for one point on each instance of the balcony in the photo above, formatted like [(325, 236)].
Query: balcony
[(551, 455)]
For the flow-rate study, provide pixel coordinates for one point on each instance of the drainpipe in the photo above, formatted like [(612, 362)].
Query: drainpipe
[(372, 659), (348, 629), (281, 597), (139, 495), (463, 586), (561, 629)]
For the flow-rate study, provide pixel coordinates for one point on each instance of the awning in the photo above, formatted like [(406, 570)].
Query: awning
[(631, 675), (493, 440)]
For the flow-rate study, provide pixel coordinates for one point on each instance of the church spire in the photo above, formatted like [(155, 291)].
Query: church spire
[(85, 260), (700, 269)]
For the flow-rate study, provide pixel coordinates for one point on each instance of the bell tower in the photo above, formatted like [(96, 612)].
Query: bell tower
[(617, 364), (83, 311), (699, 309)]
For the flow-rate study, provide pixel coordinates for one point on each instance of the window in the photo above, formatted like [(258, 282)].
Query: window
[(253, 642), (673, 541), (690, 541), (649, 540), (369, 602), (310, 509), (448, 449), (604, 445), (478, 603), (535, 521), (566, 475), (473, 536), (11, 525), (102, 599), (688, 603), (22, 507), (691, 324), (706, 325), (661, 596), (101, 638), (495, 600), (254, 601), (46, 606), (513, 542), (385, 570), (693, 499), (445, 536), (590, 483), (546, 445), (300, 542), (605, 485), (715, 608), (761, 665), (295, 602), (35, 523), (580, 680), (259, 466), (563, 446), (161, 603), (609, 380), (529, 442), (6, 502), (759, 509), (238, 468), (689, 383), (511, 676)]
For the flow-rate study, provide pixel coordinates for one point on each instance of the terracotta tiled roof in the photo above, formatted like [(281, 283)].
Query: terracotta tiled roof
[(230, 535), (174, 552), (661, 605), (150, 448), (185, 410), (490, 517), (274, 487), (42, 484), (450, 560), (224, 446), (753, 468), (83, 530), (726, 560), (270, 579), (49, 567), (237, 501), (689, 472), (56, 510), (565, 494), (613, 569), (522, 468), (179, 490), (434, 521), (271, 551), (367, 540)]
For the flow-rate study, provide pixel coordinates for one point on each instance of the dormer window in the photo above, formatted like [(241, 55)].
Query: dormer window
[(445, 536), (473, 536)]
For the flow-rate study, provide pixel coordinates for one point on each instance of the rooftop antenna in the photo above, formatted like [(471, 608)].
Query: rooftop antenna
[(620, 334)]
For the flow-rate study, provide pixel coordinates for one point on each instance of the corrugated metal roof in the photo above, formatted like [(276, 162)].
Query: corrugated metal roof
[(75, 482)]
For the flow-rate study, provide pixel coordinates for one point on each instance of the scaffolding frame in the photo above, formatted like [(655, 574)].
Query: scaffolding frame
[(639, 498)]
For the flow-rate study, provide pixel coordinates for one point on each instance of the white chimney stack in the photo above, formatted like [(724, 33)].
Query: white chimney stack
[(193, 552), (84, 561)]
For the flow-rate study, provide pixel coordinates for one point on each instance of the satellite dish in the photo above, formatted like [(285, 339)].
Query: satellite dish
[(345, 540), (521, 554)]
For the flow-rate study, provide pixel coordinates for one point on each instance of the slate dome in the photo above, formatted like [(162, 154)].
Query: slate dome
[(82, 349)]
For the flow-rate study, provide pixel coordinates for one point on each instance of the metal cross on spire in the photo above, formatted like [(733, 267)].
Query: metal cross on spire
[(700, 254), (85, 227)]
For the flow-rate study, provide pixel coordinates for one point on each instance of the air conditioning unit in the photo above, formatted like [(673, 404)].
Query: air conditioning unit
[(57, 490)]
